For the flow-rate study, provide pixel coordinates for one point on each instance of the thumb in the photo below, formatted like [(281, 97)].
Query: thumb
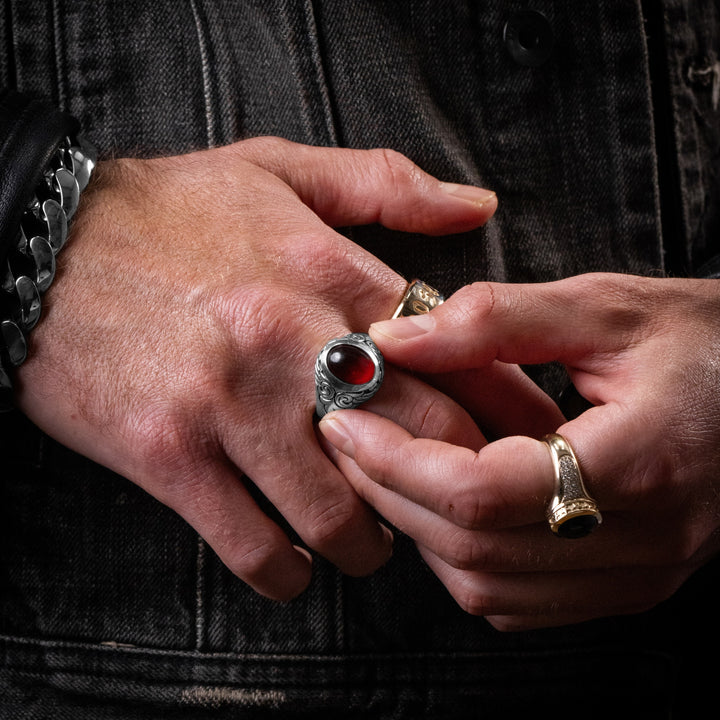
[(359, 187)]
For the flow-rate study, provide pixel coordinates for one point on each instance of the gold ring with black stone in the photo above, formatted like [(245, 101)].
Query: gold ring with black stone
[(572, 513)]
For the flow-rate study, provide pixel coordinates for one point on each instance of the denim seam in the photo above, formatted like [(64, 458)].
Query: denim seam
[(319, 69), (200, 594), (461, 656), (654, 156), (62, 95), (8, 73), (210, 119)]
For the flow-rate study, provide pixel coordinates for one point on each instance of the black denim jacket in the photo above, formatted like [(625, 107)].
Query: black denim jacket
[(604, 153)]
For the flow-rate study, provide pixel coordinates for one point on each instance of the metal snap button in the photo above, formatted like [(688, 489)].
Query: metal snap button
[(529, 38)]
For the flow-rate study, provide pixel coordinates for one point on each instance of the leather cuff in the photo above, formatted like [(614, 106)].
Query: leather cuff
[(30, 132)]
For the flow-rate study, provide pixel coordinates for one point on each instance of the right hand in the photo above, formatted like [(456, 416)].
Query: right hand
[(178, 340), (643, 352)]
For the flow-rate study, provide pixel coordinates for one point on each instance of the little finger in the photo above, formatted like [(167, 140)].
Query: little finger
[(215, 503), (529, 600), (298, 479)]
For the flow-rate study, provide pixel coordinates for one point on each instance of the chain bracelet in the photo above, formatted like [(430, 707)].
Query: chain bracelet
[(29, 269)]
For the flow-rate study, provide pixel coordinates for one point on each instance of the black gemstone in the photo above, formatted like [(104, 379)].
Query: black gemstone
[(578, 526)]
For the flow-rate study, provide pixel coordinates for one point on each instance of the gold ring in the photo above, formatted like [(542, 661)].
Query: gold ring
[(419, 298), (572, 513)]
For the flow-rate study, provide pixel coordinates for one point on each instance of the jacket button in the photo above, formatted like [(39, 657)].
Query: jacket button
[(529, 37)]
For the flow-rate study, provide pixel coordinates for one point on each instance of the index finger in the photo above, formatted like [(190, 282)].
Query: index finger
[(570, 321)]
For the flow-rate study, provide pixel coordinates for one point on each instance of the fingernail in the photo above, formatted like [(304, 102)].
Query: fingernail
[(389, 538), (405, 328), (337, 434), (470, 193), (304, 552)]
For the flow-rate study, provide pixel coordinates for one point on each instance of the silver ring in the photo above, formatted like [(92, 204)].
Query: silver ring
[(348, 372), (418, 299), (572, 513)]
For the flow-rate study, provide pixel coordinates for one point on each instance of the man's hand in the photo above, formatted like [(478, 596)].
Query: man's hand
[(645, 353), (178, 341)]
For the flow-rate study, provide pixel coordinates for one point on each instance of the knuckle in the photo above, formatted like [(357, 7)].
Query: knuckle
[(341, 270), (475, 303), (378, 459), (331, 523), (262, 147), (399, 172), (250, 559), (473, 601), (475, 506), (395, 163), (260, 320), (256, 319), (161, 436), (469, 511), (464, 551), (170, 453), (165, 461), (625, 308), (442, 419)]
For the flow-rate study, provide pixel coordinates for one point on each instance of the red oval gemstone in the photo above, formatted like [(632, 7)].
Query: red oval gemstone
[(350, 364)]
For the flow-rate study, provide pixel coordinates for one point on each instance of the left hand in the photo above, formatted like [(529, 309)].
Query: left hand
[(645, 353)]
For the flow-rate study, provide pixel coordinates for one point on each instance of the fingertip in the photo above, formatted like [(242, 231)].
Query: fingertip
[(476, 196), (490, 206), (371, 563), (294, 573), (403, 328), (336, 433), (471, 206)]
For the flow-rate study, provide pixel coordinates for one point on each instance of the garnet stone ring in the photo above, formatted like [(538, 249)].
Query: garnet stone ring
[(572, 513), (348, 372)]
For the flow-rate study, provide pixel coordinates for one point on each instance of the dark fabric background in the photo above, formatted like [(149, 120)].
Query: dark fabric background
[(110, 606)]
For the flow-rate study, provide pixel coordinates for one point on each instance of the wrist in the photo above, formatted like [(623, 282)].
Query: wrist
[(35, 227)]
